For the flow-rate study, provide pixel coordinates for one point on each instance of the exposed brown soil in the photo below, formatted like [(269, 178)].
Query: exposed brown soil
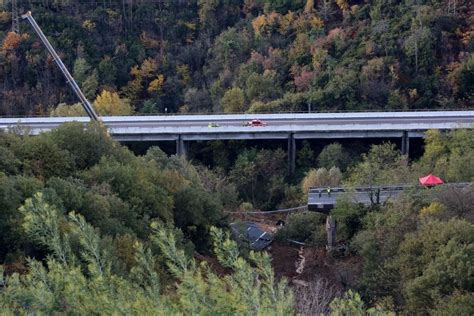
[(341, 271), (284, 260), (16, 267)]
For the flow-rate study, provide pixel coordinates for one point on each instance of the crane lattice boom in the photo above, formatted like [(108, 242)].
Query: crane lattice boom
[(85, 103)]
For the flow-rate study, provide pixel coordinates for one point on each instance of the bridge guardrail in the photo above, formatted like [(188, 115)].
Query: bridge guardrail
[(264, 113), (248, 116), (361, 189), (388, 187)]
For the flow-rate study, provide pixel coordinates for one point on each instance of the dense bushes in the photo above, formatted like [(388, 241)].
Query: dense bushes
[(82, 169), (260, 176), (79, 275), (419, 261), (308, 228), (349, 217)]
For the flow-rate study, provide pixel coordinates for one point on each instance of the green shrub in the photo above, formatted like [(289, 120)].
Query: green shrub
[(348, 216), (305, 227)]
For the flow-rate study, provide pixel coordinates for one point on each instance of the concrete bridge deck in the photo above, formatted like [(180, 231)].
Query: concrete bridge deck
[(320, 201)]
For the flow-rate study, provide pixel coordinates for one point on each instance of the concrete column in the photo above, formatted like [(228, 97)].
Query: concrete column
[(331, 232), (181, 149), (291, 154), (405, 143)]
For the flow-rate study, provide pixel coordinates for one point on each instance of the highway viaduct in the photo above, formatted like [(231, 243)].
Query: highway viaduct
[(288, 126)]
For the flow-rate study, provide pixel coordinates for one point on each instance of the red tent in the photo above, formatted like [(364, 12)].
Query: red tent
[(430, 180)]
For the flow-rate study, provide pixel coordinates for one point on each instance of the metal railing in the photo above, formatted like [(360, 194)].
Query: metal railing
[(319, 111), (382, 187), (285, 210)]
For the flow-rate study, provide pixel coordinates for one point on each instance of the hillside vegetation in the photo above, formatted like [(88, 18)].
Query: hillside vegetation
[(247, 55), (86, 226)]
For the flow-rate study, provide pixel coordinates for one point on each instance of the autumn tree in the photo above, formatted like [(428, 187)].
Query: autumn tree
[(109, 103), (11, 41)]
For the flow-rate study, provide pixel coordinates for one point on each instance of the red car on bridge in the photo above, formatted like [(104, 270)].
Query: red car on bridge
[(255, 123)]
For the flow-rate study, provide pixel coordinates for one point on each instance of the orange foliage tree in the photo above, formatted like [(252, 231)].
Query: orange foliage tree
[(11, 41)]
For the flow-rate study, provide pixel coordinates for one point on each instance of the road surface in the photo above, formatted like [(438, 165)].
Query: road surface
[(279, 126)]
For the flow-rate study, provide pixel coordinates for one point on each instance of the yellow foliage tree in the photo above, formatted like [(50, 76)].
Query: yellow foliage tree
[(309, 7), (109, 103), (156, 86), (432, 210), (285, 23), (5, 17), (146, 70), (343, 5), (142, 74), (258, 24), (316, 22)]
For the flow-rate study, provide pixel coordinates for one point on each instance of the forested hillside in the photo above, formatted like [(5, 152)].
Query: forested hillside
[(247, 55)]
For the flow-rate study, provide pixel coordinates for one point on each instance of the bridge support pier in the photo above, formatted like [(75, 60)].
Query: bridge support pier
[(181, 148), (291, 154), (405, 143), (331, 232)]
